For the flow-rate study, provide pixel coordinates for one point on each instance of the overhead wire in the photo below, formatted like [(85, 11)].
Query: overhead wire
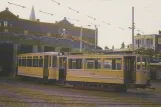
[(15, 4), (91, 17), (58, 3)]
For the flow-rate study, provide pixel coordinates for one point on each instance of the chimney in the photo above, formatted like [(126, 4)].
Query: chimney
[(65, 18), (7, 8), (56, 21), (17, 16), (38, 20)]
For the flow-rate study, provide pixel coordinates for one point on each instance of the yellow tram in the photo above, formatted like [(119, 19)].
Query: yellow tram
[(88, 71)]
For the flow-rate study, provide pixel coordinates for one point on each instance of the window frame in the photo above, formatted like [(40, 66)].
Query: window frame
[(41, 61), (113, 63), (56, 59), (29, 58), (35, 58), (93, 60), (75, 61)]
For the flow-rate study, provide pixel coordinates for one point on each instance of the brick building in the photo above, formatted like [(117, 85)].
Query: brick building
[(24, 36)]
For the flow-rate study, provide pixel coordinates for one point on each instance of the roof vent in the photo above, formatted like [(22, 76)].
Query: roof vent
[(7, 8)]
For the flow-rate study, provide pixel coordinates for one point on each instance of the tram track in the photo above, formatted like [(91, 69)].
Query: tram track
[(37, 94), (79, 99)]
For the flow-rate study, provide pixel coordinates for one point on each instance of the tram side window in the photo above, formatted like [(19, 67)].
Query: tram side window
[(79, 63), (23, 61), (75, 63), (54, 61), (113, 64), (20, 62), (35, 62), (29, 62), (90, 63), (107, 64), (118, 64), (49, 61), (40, 62), (97, 63)]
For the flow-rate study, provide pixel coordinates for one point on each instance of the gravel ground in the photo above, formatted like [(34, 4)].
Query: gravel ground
[(23, 94)]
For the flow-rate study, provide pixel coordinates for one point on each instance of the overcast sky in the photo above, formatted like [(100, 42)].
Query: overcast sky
[(116, 12)]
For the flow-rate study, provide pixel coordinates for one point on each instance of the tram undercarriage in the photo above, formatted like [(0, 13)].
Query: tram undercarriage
[(98, 86)]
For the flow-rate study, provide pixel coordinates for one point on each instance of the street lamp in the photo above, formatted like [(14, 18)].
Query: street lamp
[(81, 37), (62, 34), (95, 37)]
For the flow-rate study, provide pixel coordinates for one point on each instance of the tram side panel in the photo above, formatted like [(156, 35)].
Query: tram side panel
[(95, 76), (30, 66), (88, 71), (36, 66)]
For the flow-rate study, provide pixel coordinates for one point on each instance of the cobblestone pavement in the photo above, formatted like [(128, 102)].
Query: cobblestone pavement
[(23, 94)]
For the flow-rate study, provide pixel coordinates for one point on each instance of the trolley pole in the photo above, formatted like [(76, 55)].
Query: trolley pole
[(133, 27)]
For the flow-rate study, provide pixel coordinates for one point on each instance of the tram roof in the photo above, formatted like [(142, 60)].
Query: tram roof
[(77, 54), (42, 53)]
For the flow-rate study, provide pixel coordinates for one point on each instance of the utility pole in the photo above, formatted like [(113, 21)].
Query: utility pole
[(133, 27), (95, 37), (81, 38)]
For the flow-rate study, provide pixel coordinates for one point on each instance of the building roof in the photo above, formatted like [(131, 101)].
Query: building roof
[(43, 28), (7, 15), (148, 35), (64, 22)]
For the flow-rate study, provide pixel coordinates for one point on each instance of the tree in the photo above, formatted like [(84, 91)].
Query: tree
[(128, 46), (146, 51), (123, 45), (113, 47), (106, 48), (138, 34)]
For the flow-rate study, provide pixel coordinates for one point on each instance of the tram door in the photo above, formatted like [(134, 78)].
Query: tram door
[(45, 69), (129, 69), (62, 69)]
